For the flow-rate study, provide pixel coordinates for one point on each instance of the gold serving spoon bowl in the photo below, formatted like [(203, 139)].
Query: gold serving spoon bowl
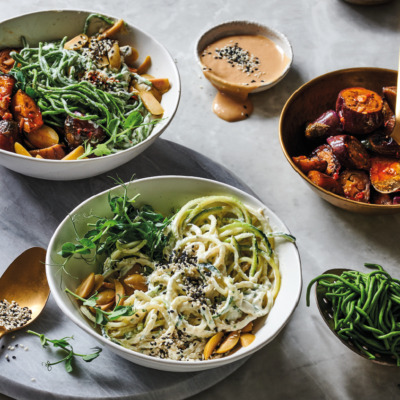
[(25, 282), (326, 311)]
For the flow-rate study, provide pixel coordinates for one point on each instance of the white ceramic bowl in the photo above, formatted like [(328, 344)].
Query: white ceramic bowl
[(231, 28), (54, 25), (165, 193)]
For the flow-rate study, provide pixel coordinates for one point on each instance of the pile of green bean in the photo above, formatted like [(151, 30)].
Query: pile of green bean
[(52, 76), (366, 309)]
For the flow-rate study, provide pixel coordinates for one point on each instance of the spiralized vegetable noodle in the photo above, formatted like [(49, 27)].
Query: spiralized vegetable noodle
[(220, 273)]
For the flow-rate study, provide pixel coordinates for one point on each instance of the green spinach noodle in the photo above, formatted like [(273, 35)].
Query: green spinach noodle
[(61, 81)]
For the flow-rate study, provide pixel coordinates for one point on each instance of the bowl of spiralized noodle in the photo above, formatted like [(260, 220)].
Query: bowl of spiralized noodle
[(228, 263), (111, 83)]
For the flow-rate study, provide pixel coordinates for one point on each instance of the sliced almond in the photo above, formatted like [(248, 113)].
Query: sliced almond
[(229, 343), (75, 154), (86, 286), (212, 344), (246, 339), (77, 42), (19, 149)]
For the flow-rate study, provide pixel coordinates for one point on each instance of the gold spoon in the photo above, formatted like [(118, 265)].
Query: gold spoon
[(25, 282), (325, 308)]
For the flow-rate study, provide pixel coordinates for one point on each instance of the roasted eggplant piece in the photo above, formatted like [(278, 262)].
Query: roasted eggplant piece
[(381, 198), (309, 164), (77, 131), (7, 83), (55, 152), (326, 182), (9, 134), (385, 174), (356, 185), (325, 153), (26, 112), (390, 93), (384, 145), (328, 124), (389, 118), (349, 151), (359, 110)]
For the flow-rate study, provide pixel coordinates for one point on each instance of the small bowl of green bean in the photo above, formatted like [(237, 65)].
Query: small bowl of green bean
[(362, 310), (85, 93)]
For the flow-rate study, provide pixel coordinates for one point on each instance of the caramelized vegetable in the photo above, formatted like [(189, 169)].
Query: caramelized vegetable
[(86, 286), (113, 30), (77, 42), (77, 131), (144, 67), (26, 112), (349, 151), (359, 110), (356, 185), (246, 339), (229, 343), (9, 134), (43, 137), (212, 344), (328, 124), (6, 62), (390, 93), (384, 145), (385, 174), (136, 282), (389, 118), (381, 198), (7, 83), (308, 164), (55, 152), (325, 153), (326, 182)]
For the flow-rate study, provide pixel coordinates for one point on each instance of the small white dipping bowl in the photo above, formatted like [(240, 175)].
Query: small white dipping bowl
[(165, 193), (54, 25), (231, 28)]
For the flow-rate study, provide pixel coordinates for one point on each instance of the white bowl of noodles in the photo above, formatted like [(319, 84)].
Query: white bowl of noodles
[(46, 26), (165, 194)]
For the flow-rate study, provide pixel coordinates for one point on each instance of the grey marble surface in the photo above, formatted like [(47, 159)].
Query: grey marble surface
[(305, 361)]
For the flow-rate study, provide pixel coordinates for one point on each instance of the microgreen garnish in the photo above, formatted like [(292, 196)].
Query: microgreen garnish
[(64, 345), (102, 317), (129, 224)]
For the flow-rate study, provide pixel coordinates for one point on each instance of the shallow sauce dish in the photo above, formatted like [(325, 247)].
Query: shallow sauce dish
[(164, 194), (309, 102), (54, 25)]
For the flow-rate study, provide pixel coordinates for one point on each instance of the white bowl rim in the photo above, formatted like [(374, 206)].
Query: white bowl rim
[(154, 360), (157, 134), (278, 33)]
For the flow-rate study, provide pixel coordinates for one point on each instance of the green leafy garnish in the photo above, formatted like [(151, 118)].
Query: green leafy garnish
[(129, 224), (64, 345)]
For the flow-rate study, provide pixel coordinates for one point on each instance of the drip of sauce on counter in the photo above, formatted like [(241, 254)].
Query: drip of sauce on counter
[(237, 65)]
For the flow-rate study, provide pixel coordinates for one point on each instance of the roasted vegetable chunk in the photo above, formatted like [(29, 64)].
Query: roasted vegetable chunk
[(385, 174), (26, 112), (309, 164), (359, 110), (9, 134), (325, 153), (7, 83), (381, 198), (6, 62), (328, 124), (384, 145), (78, 131), (390, 93), (55, 152), (349, 151), (326, 182), (356, 185)]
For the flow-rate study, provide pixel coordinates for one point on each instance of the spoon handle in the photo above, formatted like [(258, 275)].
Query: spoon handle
[(3, 331)]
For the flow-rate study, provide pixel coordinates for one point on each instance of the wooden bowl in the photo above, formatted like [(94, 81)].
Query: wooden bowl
[(314, 98)]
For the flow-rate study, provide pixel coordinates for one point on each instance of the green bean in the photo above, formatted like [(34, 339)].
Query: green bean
[(366, 309)]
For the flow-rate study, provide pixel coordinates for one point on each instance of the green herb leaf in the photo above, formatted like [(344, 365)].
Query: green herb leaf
[(134, 120)]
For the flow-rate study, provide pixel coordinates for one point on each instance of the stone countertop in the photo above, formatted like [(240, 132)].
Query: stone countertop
[(305, 361)]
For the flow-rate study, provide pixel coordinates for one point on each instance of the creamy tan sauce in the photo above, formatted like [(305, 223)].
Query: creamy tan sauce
[(237, 65)]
